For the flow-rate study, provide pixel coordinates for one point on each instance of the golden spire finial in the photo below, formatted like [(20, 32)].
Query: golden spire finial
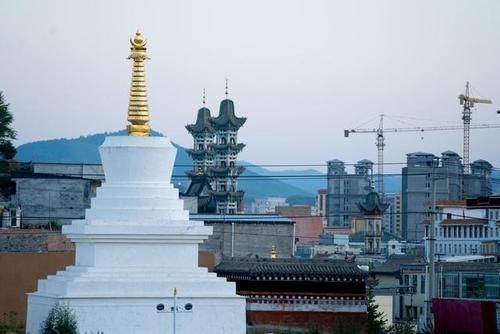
[(204, 97), (227, 88), (138, 113)]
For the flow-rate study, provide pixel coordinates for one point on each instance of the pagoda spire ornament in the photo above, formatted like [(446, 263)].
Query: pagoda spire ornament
[(138, 113)]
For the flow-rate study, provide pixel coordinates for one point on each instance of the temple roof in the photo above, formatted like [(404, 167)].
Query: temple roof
[(199, 186), (288, 269), (231, 147), (237, 195), (237, 170), (192, 151), (202, 122), (227, 115), (372, 205)]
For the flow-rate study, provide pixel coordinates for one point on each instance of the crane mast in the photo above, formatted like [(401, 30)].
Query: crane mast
[(468, 102), (380, 156)]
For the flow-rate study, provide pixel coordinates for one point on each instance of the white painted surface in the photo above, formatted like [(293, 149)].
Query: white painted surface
[(134, 247)]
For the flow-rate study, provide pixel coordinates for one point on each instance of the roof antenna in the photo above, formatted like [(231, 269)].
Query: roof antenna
[(204, 97), (227, 88)]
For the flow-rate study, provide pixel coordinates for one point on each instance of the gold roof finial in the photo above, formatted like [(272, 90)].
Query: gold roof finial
[(138, 113), (273, 252), (227, 88), (204, 97)]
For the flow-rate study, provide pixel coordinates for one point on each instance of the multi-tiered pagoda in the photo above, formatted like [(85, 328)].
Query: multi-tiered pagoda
[(215, 150)]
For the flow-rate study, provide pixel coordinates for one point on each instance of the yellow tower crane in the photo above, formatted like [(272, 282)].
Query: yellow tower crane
[(380, 131)]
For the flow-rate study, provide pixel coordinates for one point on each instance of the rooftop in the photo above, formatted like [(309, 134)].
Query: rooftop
[(394, 262), (446, 202), (289, 269), (242, 218)]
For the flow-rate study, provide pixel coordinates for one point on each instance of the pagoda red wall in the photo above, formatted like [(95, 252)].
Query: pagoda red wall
[(306, 319)]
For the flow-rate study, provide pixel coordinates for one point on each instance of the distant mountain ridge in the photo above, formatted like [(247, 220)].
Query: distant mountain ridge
[(256, 181), (84, 150)]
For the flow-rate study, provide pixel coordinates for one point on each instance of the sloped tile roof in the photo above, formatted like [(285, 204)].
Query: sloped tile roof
[(289, 269)]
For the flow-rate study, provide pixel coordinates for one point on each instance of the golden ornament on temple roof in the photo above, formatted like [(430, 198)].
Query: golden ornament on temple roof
[(273, 252), (138, 113)]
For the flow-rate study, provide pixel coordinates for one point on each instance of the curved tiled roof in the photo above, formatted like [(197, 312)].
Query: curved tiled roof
[(289, 269), (202, 122), (373, 204), (227, 147), (227, 115)]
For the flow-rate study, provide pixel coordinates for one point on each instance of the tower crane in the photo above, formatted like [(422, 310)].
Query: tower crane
[(468, 103), (380, 143)]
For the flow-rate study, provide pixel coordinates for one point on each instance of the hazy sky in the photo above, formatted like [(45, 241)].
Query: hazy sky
[(301, 71)]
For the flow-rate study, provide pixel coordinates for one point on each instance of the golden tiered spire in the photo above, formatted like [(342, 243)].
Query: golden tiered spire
[(138, 114)]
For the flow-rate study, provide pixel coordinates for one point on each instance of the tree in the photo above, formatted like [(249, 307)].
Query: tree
[(376, 321), (60, 320), (7, 134)]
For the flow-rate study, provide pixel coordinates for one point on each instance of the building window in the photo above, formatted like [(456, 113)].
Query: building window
[(422, 284), (407, 280), (414, 282)]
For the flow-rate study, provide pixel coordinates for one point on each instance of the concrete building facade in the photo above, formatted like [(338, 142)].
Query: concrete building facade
[(45, 198), (396, 215), (248, 235), (346, 190), (448, 172), (267, 205)]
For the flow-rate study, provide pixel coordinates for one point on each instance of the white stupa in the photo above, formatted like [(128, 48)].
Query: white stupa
[(136, 245)]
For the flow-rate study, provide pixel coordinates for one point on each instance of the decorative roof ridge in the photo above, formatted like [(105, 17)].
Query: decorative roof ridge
[(203, 122), (227, 115)]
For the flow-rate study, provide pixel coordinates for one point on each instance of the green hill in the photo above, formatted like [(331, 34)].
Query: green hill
[(84, 150)]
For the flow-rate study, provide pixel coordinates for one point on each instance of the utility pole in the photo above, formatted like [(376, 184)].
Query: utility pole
[(174, 309), (432, 241)]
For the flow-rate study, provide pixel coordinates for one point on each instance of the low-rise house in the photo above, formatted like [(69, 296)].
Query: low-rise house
[(464, 230), (463, 280), (299, 293)]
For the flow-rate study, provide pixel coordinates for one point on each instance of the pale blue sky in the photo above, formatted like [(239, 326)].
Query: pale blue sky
[(301, 71)]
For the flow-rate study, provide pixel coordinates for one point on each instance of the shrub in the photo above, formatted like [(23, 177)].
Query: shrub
[(60, 320)]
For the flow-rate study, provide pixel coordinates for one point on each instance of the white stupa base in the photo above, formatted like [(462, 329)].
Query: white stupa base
[(134, 247), (139, 314)]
